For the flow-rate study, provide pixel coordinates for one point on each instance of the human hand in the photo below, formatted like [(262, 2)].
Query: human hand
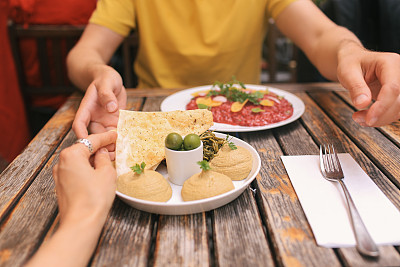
[(84, 191), (371, 76), (98, 111)]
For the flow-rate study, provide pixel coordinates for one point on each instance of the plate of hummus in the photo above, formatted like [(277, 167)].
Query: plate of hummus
[(239, 107), (244, 163)]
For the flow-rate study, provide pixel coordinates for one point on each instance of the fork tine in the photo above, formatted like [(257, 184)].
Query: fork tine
[(321, 160), (337, 161), (330, 163)]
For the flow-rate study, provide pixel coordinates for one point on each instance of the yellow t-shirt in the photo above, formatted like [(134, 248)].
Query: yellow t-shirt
[(192, 42)]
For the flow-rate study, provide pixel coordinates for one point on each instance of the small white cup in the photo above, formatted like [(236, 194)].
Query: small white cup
[(182, 165)]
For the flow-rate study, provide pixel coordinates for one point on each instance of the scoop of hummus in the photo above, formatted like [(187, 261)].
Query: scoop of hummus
[(234, 163), (206, 184), (149, 185)]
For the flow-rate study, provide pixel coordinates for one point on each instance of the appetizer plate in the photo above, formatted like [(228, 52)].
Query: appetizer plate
[(176, 206), (179, 100)]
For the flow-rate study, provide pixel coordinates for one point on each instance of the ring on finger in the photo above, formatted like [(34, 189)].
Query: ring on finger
[(86, 142)]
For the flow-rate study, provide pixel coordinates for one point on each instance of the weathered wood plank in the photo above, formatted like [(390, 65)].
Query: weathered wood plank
[(370, 140), (287, 225), (25, 228), (291, 87), (17, 177), (126, 237), (153, 103), (392, 131), (151, 92), (309, 87), (134, 103), (324, 130), (235, 244), (182, 241)]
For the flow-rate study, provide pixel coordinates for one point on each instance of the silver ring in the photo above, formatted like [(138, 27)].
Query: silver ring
[(87, 143)]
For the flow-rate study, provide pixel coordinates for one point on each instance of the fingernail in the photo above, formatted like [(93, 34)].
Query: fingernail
[(103, 150), (372, 121), (360, 99), (111, 106), (359, 120)]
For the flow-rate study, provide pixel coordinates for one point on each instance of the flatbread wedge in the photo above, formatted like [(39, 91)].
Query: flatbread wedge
[(141, 135)]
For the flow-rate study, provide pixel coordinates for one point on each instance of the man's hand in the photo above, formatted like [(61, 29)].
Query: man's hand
[(371, 76), (98, 111)]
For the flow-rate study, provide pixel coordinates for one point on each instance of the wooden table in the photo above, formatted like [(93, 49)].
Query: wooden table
[(262, 227)]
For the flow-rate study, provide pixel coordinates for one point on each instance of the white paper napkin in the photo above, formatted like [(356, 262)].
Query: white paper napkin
[(324, 203)]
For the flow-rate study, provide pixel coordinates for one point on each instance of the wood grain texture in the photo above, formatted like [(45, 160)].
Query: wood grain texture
[(392, 131), (239, 238), (134, 103), (371, 141), (265, 229), (126, 237), (293, 87), (182, 241), (22, 233), (15, 179), (287, 225), (324, 130), (153, 103)]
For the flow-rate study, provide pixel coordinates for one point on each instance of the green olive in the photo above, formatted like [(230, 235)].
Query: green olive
[(173, 141), (191, 141)]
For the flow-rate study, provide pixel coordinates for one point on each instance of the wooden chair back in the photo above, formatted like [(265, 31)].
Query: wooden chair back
[(53, 43)]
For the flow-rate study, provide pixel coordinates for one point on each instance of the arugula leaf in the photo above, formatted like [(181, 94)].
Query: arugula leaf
[(202, 106), (234, 94), (138, 168)]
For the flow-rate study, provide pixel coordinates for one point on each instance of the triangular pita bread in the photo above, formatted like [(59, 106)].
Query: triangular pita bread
[(141, 135)]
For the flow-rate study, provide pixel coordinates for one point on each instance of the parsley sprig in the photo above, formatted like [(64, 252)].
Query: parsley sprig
[(204, 165), (138, 168), (230, 143)]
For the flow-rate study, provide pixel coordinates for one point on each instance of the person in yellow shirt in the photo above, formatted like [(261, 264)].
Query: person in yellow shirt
[(196, 42)]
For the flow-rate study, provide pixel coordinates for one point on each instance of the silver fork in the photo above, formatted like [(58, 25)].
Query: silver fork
[(332, 171)]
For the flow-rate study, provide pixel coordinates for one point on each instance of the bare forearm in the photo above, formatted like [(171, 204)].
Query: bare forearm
[(83, 64), (316, 35), (89, 58), (325, 52), (71, 245)]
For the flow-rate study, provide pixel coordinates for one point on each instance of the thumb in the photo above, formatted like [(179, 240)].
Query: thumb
[(360, 92), (107, 98)]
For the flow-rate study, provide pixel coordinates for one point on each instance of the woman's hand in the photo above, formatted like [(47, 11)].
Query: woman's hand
[(85, 193), (82, 189)]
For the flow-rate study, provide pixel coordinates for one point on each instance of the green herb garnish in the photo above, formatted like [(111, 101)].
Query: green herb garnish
[(234, 94), (230, 144), (204, 165), (138, 168), (202, 106), (257, 110)]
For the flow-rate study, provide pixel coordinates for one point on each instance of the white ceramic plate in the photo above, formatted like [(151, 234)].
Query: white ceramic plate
[(176, 206), (179, 100)]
